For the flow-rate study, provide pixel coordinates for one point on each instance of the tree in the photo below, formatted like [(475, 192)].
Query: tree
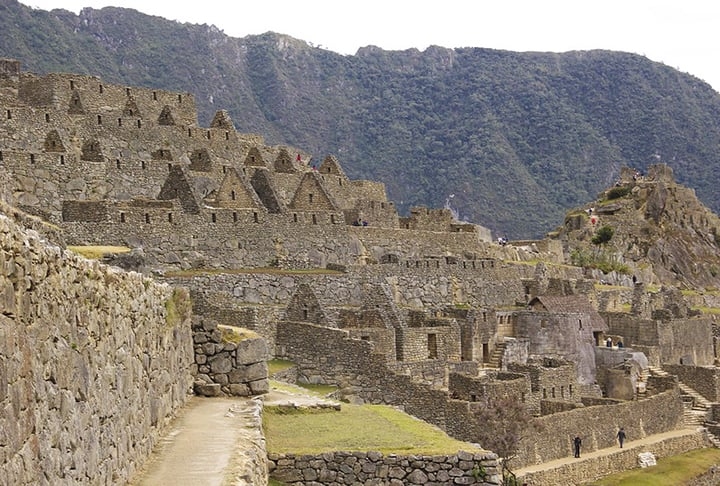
[(503, 425)]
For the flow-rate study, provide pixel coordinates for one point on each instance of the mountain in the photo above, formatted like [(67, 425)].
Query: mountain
[(509, 140)]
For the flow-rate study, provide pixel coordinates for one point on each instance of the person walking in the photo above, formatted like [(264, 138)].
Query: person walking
[(621, 436), (577, 442)]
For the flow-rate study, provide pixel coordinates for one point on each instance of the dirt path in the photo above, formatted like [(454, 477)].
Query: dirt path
[(213, 442)]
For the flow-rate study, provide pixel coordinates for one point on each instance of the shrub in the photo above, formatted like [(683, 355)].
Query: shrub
[(603, 235)]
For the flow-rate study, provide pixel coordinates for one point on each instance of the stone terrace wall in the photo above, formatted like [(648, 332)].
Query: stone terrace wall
[(324, 355), (93, 363), (228, 360), (704, 380), (586, 470), (597, 426), (351, 468), (416, 289)]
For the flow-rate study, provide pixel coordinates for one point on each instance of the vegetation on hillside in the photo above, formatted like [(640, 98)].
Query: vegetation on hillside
[(509, 140)]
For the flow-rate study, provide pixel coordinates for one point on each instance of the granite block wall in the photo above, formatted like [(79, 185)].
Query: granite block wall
[(352, 468), (93, 364)]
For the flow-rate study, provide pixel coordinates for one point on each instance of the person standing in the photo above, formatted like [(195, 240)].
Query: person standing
[(577, 442), (621, 436)]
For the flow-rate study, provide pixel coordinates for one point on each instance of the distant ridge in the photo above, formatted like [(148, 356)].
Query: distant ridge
[(508, 140)]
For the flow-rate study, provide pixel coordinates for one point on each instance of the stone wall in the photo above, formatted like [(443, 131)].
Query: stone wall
[(560, 335), (93, 364), (587, 470), (703, 379), (409, 288), (677, 340), (489, 388), (598, 425), (228, 360), (325, 355), (351, 468)]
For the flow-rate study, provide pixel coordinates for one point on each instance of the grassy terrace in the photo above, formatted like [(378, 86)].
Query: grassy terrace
[(354, 428), (670, 471)]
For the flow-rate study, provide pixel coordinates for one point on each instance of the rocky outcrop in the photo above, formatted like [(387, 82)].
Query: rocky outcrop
[(661, 233)]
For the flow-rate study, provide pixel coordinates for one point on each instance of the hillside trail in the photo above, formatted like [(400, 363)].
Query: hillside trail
[(215, 441), (644, 444)]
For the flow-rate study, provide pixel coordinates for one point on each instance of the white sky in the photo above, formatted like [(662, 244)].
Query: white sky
[(680, 33)]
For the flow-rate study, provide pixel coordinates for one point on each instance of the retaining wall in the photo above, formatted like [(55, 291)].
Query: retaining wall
[(351, 468), (93, 364)]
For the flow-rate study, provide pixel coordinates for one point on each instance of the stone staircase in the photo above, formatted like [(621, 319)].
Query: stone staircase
[(497, 355), (696, 407)]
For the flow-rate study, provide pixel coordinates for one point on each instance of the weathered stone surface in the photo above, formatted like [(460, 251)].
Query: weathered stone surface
[(239, 368), (76, 378), (374, 468), (251, 351)]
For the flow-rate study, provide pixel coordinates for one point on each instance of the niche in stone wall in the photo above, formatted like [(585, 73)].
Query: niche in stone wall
[(432, 346), (53, 142), (162, 154), (166, 117)]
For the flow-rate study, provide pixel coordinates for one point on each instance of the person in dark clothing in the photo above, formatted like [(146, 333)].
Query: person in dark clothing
[(577, 442), (621, 436)]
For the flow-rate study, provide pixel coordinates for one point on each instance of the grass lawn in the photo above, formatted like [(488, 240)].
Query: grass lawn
[(354, 428), (670, 471), (277, 365)]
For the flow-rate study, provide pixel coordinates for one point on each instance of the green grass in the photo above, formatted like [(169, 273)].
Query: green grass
[(354, 428), (670, 471), (318, 389), (277, 365)]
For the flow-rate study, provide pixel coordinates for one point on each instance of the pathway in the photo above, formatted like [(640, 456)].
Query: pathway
[(594, 464), (213, 442)]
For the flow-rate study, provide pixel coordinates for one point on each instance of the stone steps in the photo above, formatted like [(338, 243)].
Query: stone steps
[(696, 407), (496, 356)]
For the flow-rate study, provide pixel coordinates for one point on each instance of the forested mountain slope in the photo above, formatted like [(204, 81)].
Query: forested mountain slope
[(511, 140)]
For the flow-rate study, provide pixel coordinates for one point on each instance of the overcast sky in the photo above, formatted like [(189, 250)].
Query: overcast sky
[(680, 33)]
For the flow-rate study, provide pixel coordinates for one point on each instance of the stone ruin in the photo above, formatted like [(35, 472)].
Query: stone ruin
[(422, 312)]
